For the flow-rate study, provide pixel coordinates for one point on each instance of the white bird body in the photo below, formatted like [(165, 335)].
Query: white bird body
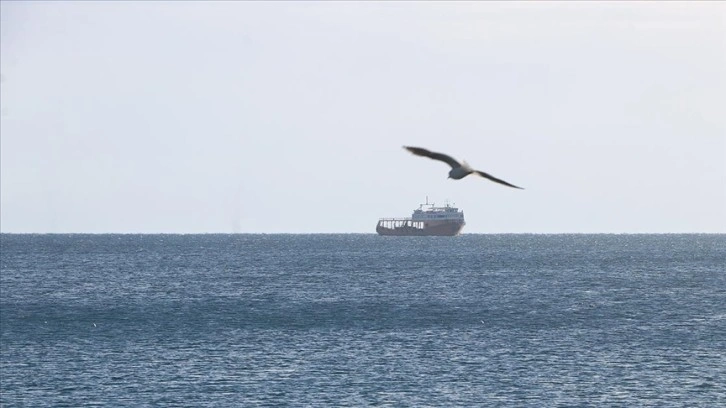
[(458, 173), (458, 170)]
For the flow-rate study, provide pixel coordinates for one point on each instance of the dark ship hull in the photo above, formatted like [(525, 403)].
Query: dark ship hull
[(445, 229)]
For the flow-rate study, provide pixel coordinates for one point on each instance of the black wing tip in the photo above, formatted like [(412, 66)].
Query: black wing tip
[(420, 151), (512, 185)]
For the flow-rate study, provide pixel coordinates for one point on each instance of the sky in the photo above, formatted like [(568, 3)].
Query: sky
[(290, 117)]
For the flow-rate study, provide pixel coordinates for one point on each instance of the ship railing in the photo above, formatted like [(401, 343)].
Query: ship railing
[(400, 222)]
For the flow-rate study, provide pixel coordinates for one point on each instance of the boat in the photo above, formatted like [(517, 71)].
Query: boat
[(427, 220)]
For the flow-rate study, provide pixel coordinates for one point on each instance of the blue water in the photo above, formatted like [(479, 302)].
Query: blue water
[(361, 320)]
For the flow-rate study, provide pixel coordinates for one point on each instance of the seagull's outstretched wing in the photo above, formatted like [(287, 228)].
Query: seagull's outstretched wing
[(433, 155), (494, 179)]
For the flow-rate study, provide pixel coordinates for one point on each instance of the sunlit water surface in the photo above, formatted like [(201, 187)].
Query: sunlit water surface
[(357, 320)]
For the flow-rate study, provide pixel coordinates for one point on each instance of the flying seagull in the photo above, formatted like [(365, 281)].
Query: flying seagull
[(458, 170)]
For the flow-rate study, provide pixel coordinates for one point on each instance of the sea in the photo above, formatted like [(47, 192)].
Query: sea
[(352, 320)]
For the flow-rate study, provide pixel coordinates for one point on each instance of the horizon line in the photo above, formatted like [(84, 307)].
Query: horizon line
[(355, 233)]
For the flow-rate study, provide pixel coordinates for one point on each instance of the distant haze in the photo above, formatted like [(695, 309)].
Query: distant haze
[(267, 117)]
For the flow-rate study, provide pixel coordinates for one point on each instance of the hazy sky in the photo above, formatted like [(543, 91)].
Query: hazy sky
[(271, 117)]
